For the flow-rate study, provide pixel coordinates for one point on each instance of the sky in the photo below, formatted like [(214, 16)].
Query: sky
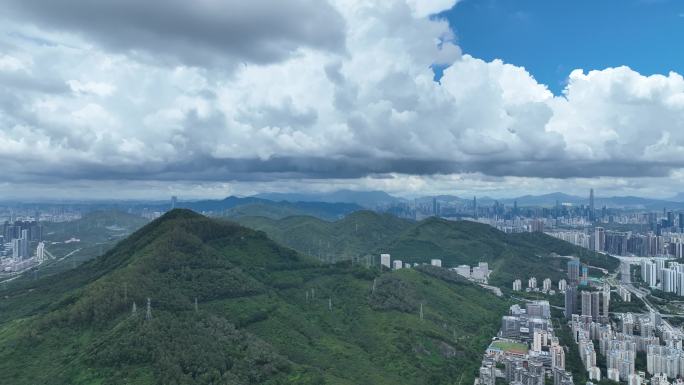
[(128, 99), (552, 38)]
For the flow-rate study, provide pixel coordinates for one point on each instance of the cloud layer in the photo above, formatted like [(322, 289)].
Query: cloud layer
[(216, 91), (210, 33)]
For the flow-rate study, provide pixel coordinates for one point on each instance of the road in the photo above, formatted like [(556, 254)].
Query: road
[(70, 254)]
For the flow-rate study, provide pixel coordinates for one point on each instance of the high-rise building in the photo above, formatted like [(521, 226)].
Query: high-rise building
[(596, 305), (648, 273), (592, 209), (570, 301), (562, 285), (606, 303), (475, 207), (40, 251), (586, 303), (538, 309), (174, 202), (599, 239), (385, 260), (574, 271), (510, 327), (669, 280), (537, 226), (660, 265), (538, 340), (584, 275), (557, 356)]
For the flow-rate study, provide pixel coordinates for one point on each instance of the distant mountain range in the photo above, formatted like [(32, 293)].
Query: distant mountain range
[(337, 204), (375, 199), (233, 206), (368, 199)]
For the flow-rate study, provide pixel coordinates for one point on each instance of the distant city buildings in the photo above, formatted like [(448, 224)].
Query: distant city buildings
[(657, 275), (562, 285), (18, 238), (479, 273), (517, 285), (526, 350)]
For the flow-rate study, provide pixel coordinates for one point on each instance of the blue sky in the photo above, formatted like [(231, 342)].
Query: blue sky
[(550, 38)]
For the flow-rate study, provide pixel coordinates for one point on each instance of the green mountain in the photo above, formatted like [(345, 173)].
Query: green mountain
[(357, 234), (510, 256), (230, 306)]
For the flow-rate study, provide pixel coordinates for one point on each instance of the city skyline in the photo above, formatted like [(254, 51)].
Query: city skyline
[(403, 96)]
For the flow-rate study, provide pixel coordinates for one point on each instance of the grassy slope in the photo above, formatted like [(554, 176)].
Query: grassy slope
[(511, 256), (254, 323)]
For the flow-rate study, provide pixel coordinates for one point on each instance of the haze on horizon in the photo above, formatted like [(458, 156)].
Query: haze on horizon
[(129, 99)]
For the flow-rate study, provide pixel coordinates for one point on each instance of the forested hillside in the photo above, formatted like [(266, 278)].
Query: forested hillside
[(230, 306), (362, 233)]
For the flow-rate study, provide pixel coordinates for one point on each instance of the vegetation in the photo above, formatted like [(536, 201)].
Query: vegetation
[(356, 235), (573, 362), (510, 256), (665, 296), (264, 314), (619, 306)]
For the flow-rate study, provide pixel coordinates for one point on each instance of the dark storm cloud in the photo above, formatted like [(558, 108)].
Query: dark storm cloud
[(208, 169), (215, 33)]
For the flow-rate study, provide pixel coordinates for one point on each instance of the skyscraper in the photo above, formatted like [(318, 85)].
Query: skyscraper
[(570, 301), (591, 204), (596, 305), (606, 303), (475, 207), (586, 303), (573, 272), (174, 201), (599, 239)]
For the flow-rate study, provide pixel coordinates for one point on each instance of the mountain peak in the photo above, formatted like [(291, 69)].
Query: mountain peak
[(180, 214)]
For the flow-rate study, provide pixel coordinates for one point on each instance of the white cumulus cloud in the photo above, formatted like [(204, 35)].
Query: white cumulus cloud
[(360, 102)]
